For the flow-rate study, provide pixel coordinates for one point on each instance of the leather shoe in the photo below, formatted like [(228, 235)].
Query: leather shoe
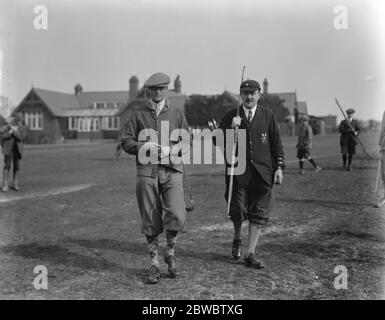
[(153, 274), (252, 262), (236, 249), (172, 269)]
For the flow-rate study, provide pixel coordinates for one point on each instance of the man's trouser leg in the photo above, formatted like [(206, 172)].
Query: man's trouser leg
[(16, 169), (174, 207), (150, 207), (383, 172), (237, 215), (7, 167)]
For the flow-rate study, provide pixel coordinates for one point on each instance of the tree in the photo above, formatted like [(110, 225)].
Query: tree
[(275, 103), (200, 109)]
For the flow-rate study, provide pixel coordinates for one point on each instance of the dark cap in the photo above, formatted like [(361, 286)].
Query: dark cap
[(157, 80), (350, 111), (250, 85)]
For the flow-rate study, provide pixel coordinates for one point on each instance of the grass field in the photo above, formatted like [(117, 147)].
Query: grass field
[(77, 215)]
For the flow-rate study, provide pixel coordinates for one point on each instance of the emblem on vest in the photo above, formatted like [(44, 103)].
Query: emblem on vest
[(264, 137)]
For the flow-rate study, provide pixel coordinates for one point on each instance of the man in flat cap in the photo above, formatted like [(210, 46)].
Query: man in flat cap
[(12, 142), (252, 196), (305, 139), (159, 188), (349, 130)]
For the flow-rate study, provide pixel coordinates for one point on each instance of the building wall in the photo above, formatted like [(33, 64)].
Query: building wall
[(51, 132), (110, 134), (94, 135), (330, 123)]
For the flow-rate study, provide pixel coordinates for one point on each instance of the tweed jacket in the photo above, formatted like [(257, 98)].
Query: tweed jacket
[(144, 118), (347, 136), (13, 141)]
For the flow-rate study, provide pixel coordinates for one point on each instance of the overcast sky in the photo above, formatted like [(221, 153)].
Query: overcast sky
[(293, 43)]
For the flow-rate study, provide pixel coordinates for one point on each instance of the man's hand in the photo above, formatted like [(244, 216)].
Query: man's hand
[(278, 176), (212, 125), (236, 122), (164, 151), (152, 146)]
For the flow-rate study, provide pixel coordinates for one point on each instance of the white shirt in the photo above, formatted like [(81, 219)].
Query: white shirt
[(252, 111), (158, 106)]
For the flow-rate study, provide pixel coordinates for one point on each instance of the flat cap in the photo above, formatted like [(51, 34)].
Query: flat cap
[(304, 117), (250, 85), (157, 80), (350, 111)]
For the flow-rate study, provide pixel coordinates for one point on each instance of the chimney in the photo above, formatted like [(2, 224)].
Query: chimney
[(134, 87), (177, 84), (78, 89), (265, 86)]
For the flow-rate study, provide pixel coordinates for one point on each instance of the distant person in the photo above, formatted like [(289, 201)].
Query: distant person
[(349, 130), (305, 139), (381, 143), (291, 126), (12, 141), (159, 187)]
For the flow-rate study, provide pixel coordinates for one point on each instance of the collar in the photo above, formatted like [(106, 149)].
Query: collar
[(160, 105), (253, 110)]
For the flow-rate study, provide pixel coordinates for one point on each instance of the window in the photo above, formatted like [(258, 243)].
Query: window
[(80, 124), (72, 123), (99, 105), (110, 105), (88, 124), (113, 123), (96, 126), (34, 120)]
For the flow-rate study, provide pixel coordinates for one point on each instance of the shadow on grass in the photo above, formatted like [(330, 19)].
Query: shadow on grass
[(341, 233), (136, 248), (310, 170), (54, 254)]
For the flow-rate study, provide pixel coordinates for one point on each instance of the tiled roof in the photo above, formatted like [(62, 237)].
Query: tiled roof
[(57, 101), (86, 99), (290, 99), (302, 107), (65, 104), (236, 97), (90, 112)]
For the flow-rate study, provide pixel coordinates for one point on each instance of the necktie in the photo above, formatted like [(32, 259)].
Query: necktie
[(249, 116), (157, 109)]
